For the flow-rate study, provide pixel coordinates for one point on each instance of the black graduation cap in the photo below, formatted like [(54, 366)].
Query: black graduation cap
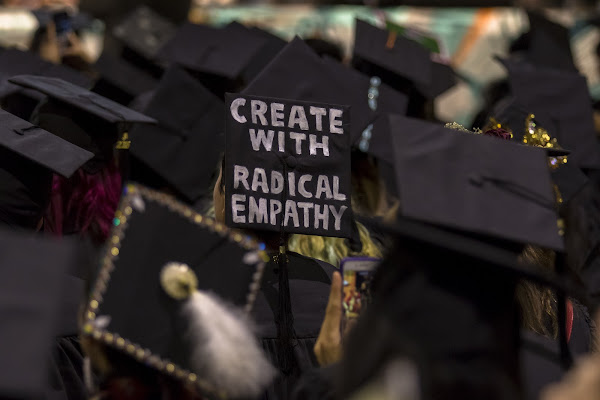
[(287, 166), (40, 146), (31, 269), (29, 157), (84, 118), (377, 96), (568, 177), (144, 31), (121, 80), (466, 287), (272, 46), (475, 183), (184, 148), (543, 91), (14, 62), (222, 52), (167, 287), (546, 44), (400, 62), (299, 73)]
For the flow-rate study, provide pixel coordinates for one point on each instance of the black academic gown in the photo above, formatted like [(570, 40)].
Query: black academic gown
[(66, 381), (310, 282)]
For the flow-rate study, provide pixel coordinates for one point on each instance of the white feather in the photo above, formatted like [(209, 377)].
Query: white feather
[(225, 351)]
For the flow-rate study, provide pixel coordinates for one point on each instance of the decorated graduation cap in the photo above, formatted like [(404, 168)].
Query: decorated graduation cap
[(545, 44), (400, 62), (543, 91), (31, 270), (297, 72), (30, 155), (83, 118), (223, 52), (287, 166), (466, 287), (144, 31), (184, 148), (174, 292), (568, 178), (475, 183), (121, 80)]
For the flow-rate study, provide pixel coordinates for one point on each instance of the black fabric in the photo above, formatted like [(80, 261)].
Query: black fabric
[(309, 282), (298, 73), (79, 98), (139, 309), (472, 185), (40, 146), (184, 148), (221, 51), (121, 81), (573, 120), (66, 381), (546, 43), (31, 269)]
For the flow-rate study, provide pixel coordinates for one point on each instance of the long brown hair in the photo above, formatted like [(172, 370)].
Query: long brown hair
[(538, 303)]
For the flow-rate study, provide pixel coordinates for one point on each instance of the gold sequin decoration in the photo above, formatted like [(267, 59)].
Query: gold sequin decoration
[(114, 251), (170, 368), (120, 342), (94, 304), (128, 210)]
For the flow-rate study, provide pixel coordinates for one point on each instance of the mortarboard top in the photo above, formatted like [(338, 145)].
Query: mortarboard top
[(83, 118), (144, 31), (81, 99), (184, 148), (567, 177), (223, 52), (131, 306), (120, 80), (299, 73), (549, 44), (17, 62), (381, 99), (369, 91), (393, 53), (40, 146), (272, 46), (31, 269), (542, 91), (474, 183), (400, 62)]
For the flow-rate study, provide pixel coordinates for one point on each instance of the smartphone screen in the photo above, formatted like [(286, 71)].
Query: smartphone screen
[(357, 273), (63, 24)]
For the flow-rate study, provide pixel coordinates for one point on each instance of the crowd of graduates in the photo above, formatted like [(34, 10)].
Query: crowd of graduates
[(179, 218)]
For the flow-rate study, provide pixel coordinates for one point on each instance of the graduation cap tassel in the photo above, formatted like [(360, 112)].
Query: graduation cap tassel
[(224, 349), (285, 319)]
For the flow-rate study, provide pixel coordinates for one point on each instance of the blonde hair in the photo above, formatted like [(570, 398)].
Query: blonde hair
[(333, 250)]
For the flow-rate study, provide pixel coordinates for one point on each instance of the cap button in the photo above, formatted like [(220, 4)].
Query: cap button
[(291, 161)]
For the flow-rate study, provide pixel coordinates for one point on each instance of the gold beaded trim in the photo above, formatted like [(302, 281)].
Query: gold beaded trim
[(93, 326)]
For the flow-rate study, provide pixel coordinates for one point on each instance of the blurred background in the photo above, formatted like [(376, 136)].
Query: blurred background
[(469, 33)]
